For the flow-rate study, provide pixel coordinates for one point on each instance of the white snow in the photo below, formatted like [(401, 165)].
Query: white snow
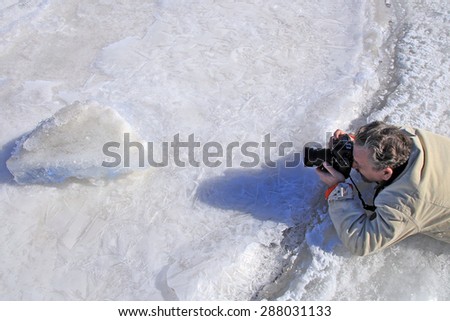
[(227, 72)]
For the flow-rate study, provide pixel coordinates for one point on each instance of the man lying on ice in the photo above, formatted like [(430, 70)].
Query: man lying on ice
[(412, 170)]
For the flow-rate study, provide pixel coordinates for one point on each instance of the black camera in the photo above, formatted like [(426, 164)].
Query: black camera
[(340, 155)]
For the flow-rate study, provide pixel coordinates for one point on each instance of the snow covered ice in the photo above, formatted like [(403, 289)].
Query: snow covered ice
[(227, 72), (70, 145)]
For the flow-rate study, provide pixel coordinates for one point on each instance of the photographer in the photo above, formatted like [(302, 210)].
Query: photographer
[(412, 172)]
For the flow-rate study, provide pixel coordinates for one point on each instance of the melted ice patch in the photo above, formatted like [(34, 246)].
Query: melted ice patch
[(70, 145)]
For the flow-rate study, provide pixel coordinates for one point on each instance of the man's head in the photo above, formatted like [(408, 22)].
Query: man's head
[(380, 148)]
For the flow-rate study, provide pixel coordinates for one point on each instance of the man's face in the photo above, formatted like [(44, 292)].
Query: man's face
[(363, 165)]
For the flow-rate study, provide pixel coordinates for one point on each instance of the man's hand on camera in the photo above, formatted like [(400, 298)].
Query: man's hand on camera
[(329, 175), (338, 133)]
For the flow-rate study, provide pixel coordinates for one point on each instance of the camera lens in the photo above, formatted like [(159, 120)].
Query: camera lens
[(316, 156)]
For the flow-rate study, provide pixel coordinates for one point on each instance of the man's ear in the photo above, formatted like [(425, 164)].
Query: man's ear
[(387, 173)]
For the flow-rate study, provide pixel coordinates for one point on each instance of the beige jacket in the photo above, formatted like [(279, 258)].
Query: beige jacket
[(417, 201)]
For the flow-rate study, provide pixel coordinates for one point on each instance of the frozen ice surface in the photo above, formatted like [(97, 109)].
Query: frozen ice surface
[(228, 72), (70, 145), (416, 92)]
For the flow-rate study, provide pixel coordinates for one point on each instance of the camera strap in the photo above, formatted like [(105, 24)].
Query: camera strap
[(371, 208), (397, 171)]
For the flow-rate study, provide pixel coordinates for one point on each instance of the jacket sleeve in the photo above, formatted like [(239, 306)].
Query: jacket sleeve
[(363, 232)]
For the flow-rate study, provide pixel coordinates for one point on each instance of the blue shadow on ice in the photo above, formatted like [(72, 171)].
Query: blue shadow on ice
[(277, 194), (5, 153)]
